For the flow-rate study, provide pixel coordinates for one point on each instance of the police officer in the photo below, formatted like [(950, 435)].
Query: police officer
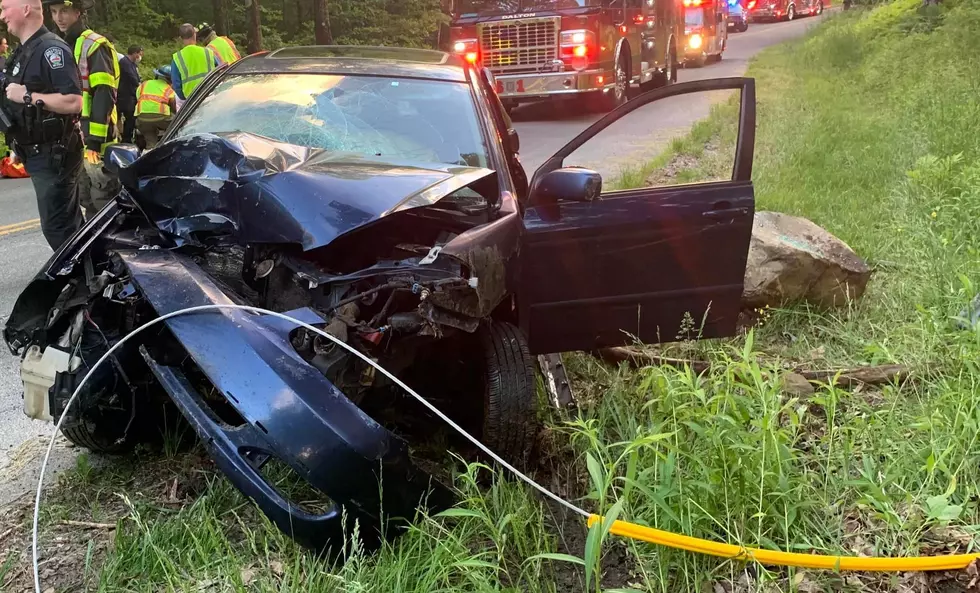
[(98, 67), (44, 98)]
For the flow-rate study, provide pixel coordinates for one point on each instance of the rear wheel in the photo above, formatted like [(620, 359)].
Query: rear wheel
[(791, 13), (668, 76), (510, 402)]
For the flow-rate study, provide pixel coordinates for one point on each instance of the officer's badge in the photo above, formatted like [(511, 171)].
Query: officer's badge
[(16, 69), (55, 57)]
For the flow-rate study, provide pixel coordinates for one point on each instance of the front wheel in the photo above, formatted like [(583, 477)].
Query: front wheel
[(510, 402), (619, 94), (791, 13)]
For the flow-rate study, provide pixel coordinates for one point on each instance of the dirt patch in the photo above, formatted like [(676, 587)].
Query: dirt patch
[(618, 567), (669, 172)]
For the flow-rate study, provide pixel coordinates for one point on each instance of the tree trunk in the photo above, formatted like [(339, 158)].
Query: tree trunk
[(321, 20), (254, 27), (220, 17)]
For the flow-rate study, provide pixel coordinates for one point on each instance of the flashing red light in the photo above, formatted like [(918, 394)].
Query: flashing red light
[(751, 4), (577, 46), (468, 48), (692, 2), (600, 80), (623, 29)]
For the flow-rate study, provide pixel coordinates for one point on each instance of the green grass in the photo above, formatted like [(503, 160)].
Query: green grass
[(868, 128)]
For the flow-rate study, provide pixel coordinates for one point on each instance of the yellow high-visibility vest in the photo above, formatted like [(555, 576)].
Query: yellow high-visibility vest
[(86, 45), (225, 49), (154, 97), (194, 63)]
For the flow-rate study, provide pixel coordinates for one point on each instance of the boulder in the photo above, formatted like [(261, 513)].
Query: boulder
[(793, 260)]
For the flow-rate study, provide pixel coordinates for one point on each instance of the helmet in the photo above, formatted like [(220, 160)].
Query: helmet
[(204, 30), (163, 72)]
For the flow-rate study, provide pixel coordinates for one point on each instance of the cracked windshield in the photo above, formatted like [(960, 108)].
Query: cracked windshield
[(387, 118)]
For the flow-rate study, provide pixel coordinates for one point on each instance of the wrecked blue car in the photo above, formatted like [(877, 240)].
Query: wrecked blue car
[(376, 194)]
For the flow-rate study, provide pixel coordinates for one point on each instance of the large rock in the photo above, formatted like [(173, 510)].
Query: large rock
[(792, 260)]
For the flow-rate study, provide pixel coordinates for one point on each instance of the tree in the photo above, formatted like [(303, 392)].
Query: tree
[(321, 20), (220, 17), (254, 27)]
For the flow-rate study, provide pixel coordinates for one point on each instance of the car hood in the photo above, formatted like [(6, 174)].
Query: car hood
[(250, 189)]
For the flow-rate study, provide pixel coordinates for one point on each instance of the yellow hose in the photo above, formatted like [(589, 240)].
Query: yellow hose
[(770, 557)]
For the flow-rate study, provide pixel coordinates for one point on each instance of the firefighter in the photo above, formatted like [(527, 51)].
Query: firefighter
[(155, 106), (98, 68), (43, 100), (191, 64), (224, 48)]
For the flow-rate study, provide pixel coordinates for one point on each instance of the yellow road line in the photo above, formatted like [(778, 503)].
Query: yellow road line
[(19, 227)]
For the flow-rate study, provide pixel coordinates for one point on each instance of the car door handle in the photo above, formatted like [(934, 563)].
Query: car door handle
[(725, 213)]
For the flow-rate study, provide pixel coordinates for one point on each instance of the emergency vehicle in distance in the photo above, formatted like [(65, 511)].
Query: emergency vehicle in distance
[(594, 49), (705, 30)]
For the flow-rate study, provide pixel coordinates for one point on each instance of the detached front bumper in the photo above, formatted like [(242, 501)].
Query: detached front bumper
[(535, 86), (286, 410)]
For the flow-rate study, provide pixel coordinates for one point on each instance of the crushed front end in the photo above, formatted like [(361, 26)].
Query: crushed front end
[(397, 261)]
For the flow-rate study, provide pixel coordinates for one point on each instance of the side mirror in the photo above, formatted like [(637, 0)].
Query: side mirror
[(120, 156), (571, 184), (514, 140)]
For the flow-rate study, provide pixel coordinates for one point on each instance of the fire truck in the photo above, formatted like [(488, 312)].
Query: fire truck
[(705, 30), (592, 49)]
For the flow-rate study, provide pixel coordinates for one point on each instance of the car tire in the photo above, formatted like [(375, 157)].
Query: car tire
[(98, 438), (510, 399)]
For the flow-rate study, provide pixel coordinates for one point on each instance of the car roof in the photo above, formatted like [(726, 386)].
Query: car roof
[(396, 62)]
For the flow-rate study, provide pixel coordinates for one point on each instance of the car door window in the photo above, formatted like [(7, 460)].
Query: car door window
[(678, 140), (638, 259)]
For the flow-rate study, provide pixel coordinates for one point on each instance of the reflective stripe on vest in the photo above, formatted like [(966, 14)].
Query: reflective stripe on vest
[(154, 97), (194, 63), (225, 49), (86, 45)]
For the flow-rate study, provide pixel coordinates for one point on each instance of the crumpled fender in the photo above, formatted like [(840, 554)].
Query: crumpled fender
[(290, 411)]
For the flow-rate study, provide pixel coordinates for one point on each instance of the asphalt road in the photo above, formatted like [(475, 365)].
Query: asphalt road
[(543, 128)]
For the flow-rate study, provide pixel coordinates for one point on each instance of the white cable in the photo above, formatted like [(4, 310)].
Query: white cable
[(259, 310)]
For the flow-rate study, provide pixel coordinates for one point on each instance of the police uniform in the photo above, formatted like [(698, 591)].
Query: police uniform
[(49, 144)]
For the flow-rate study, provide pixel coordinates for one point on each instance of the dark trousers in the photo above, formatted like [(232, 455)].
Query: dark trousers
[(128, 115), (56, 188)]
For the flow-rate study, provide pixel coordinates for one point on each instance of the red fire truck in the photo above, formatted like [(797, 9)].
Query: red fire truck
[(594, 49), (705, 30)]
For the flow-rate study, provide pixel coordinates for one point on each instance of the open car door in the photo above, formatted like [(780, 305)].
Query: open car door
[(654, 264)]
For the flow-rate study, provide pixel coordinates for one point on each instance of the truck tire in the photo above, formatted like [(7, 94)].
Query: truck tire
[(510, 402), (620, 93), (791, 12), (668, 76)]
